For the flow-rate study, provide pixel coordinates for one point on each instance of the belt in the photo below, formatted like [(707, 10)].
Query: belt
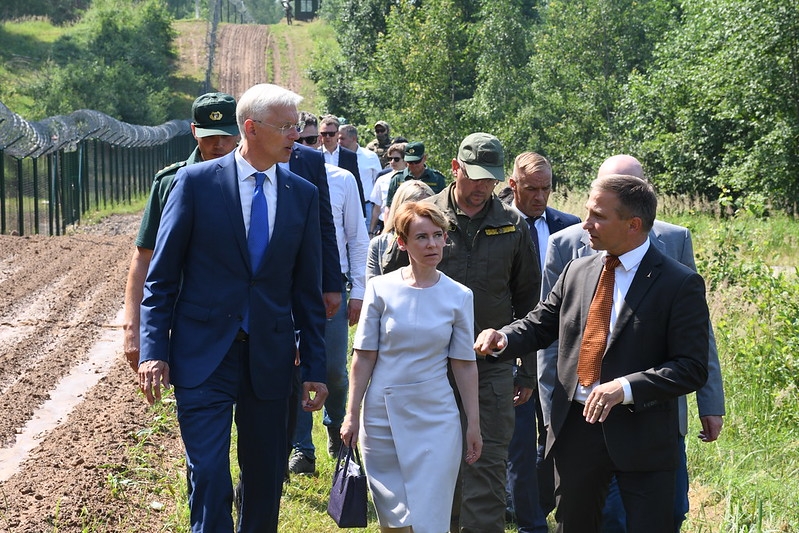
[(242, 336)]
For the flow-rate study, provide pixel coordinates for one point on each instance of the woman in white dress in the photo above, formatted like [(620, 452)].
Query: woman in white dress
[(414, 321)]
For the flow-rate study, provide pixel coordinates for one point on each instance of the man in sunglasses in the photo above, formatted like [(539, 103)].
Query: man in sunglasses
[(382, 141), (415, 157), (337, 155)]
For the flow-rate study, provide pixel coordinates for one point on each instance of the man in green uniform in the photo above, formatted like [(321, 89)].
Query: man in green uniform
[(489, 250), (416, 170), (217, 134)]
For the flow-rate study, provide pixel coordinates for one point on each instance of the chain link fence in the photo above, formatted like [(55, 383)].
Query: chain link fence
[(55, 170)]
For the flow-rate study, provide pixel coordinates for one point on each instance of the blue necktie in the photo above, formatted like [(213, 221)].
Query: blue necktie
[(258, 237)]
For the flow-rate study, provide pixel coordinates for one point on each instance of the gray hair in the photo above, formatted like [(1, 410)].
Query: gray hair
[(259, 99)]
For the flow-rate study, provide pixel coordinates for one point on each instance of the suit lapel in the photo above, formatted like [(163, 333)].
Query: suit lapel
[(227, 179), (648, 271)]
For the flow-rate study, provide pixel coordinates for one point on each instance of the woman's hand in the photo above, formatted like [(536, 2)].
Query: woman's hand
[(349, 430), (474, 443)]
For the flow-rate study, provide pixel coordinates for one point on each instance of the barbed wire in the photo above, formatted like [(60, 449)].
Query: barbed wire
[(21, 138)]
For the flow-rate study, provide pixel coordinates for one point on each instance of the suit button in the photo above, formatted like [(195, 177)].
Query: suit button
[(240, 318)]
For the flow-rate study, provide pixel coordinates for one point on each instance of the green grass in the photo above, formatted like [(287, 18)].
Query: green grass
[(746, 481), (307, 41), (24, 47)]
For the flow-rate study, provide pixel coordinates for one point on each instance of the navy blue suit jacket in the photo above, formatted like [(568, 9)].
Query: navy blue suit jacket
[(200, 282), (310, 164), (558, 220)]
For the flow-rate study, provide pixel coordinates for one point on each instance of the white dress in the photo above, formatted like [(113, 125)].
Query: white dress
[(411, 435)]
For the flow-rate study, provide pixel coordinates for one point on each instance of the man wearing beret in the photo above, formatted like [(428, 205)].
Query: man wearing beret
[(217, 134), (416, 158)]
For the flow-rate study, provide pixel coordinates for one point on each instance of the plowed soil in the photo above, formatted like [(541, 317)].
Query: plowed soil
[(58, 297)]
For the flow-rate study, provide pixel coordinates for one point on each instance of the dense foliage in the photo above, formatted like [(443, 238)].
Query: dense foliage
[(706, 92), (58, 11), (118, 64)]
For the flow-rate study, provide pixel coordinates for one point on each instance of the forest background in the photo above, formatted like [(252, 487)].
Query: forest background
[(704, 92)]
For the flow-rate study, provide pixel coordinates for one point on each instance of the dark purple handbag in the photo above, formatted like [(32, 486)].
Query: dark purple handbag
[(347, 504)]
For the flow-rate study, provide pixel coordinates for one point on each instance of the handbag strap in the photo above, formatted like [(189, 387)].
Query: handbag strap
[(347, 456)]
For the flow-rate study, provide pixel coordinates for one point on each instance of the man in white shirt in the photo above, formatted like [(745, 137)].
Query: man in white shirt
[(368, 163), (353, 244), (338, 155)]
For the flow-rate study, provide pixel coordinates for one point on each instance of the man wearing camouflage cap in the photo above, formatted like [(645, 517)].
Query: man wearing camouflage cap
[(217, 134), (489, 250)]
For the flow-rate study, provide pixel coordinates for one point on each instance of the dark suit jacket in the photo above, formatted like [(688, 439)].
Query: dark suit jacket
[(348, 160), (558, 220), (200, 282), (675, 242), (310, 164), (659, 343)]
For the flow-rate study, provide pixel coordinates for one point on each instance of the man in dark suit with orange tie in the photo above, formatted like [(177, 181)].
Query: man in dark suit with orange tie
[(235, 272), (633, 329)]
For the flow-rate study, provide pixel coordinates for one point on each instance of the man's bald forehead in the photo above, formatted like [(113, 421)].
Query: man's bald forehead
[(621, 164)]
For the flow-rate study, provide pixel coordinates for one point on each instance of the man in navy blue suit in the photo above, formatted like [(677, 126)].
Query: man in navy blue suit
[(219, 323), (531, 483)]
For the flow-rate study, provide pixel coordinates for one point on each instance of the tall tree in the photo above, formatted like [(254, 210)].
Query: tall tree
[(582, 57), (721, 113)]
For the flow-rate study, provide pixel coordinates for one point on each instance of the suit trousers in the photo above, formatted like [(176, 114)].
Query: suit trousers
[(583, 470), (523, 476), (613, 516), (336, 339), (205, 415)]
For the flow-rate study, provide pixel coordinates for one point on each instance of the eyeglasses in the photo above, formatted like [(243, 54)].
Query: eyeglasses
[(285, 129), (395, 158), (310, 139), (328, 133), (380, 130)]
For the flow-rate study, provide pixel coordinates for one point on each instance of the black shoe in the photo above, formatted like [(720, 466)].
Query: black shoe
[(301, 463), (333, 440)]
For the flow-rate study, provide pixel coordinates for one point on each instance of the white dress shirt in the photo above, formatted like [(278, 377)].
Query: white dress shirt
[(246, 179), (351, 235)]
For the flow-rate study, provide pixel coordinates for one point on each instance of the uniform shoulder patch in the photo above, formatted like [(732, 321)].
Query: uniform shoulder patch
[(174, 167), (501, 230)]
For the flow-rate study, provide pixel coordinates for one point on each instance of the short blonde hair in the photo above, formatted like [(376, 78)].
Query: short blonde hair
[(408, 210), (408, 191)]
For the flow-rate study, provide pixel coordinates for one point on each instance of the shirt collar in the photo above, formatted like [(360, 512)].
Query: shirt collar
[(634, 257), (245, 169)]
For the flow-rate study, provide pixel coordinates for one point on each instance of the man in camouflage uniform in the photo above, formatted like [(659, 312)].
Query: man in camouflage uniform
[(489, 250), (217, 134), (381, 142)]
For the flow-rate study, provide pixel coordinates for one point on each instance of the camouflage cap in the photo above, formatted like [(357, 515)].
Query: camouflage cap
[(214, 114)]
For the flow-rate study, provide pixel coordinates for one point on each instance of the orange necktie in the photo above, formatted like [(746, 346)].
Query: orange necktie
[(597, 325)]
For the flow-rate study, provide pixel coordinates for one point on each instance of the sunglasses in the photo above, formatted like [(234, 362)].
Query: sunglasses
[(395, 158), (380, 130), (328, 133), (310, 139)]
